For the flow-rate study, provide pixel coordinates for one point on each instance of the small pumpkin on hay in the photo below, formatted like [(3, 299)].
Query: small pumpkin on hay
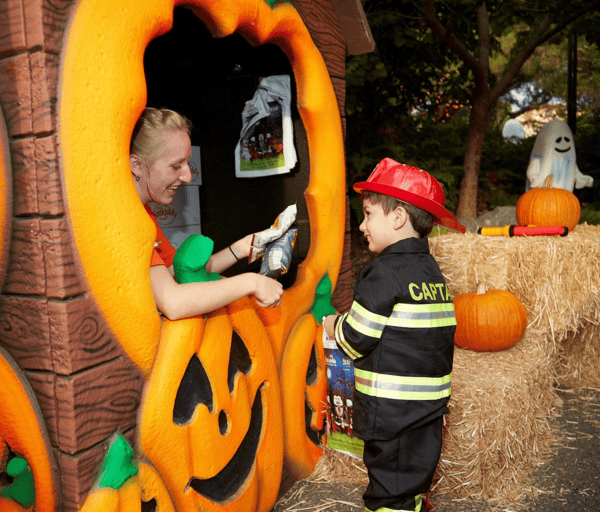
[(547, 206), (488, 320)]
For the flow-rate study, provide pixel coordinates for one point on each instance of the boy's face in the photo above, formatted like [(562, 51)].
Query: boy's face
[(378, 227)]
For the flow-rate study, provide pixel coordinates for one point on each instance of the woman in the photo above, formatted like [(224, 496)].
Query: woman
[(159, 158)]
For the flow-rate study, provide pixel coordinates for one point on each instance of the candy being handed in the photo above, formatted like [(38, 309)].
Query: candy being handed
[(260, 240), (278, 255)]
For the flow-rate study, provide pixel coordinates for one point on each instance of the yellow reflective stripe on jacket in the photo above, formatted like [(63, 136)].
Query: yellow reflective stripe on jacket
[(402, 388), (365, 322), (341, 340), (418, 504), (423, 315)]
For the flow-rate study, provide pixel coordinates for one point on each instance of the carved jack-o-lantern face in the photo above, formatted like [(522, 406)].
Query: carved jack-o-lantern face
[(23, 434), (304, 392), (211, 418)]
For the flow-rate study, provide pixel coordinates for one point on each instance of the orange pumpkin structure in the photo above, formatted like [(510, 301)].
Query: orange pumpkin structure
[(129, 308), (74, 267), (547, 206), (488, 320), (304, 392), (127, 485), (211, 420), (23, 433)]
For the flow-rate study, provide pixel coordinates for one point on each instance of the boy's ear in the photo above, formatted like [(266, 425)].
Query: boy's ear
[(400, 217)]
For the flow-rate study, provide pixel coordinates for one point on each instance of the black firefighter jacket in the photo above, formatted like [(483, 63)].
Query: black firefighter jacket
[(400, 334)]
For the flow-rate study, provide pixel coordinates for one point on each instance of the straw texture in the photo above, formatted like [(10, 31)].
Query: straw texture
[(500, 426)]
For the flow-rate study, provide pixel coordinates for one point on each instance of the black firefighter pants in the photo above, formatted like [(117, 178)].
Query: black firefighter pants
[(401, 469)]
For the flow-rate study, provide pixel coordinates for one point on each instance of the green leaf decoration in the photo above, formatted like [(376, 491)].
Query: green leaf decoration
[(118, 466), (22, 488), (322, 305)]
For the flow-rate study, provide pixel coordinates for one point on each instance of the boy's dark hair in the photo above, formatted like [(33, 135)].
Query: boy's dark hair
[(422, 221)]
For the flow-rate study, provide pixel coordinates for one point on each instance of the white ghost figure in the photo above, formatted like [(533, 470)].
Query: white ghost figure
[(554, 153)]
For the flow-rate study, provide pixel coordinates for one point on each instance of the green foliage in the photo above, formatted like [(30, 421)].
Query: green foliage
[(587, 138), (590, 216)]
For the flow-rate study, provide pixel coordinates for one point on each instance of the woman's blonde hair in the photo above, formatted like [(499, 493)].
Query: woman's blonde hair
[(147, 139)]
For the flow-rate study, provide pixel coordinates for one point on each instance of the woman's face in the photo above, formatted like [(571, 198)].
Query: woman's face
[(160, 180)]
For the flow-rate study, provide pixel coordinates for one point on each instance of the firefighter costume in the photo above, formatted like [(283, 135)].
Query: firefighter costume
[(400, 334)]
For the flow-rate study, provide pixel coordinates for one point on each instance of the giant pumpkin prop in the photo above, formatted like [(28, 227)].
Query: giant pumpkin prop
[(23, 433), (103, 93), (4, 188), (211, 420), (304, 391)]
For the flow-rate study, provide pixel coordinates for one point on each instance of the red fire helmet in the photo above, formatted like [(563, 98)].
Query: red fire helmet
[(411, 185)]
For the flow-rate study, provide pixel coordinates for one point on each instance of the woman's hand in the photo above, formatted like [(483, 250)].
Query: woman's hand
[(267, 292)]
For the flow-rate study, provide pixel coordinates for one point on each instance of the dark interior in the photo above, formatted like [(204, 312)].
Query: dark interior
[(209, 81)]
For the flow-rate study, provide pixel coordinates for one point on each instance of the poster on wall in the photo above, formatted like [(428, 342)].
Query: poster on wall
[(340, 399), (195, 166), (266, 144)]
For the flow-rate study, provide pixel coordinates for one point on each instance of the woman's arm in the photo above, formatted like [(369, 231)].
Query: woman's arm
[(225, 258), (177, 301)]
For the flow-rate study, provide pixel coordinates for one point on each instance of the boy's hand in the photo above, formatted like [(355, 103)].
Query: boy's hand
[(329, 324)]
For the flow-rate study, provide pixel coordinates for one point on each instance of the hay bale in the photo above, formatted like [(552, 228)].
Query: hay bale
[(556, 278), (499, 427), (579, 358)]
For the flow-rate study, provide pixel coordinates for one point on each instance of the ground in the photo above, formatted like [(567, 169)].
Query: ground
[(570, 482)]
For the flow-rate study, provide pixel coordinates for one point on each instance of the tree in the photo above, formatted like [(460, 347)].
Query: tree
[(540, 23), (544, 78), (433, 54)]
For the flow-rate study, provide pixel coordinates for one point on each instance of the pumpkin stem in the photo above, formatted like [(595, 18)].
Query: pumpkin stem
[(548, 181), (481, 289)]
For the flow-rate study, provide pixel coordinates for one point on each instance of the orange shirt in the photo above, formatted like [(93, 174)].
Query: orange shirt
[(163, 252)]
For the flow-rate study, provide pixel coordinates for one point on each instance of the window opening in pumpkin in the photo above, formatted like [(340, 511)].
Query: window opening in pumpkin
[(209, 80)]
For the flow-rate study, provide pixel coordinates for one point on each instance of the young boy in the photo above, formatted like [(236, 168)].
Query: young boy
[(400, 334)]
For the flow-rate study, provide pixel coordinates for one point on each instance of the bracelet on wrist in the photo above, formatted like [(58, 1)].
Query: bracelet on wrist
[(234, 255)]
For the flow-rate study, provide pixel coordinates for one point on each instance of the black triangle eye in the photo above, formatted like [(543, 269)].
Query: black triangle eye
[(567, 139), (149, 506), (239, 360), (194, 390), (558, 141)]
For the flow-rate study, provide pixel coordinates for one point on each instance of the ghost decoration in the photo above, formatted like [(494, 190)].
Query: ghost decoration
[(554, 153)]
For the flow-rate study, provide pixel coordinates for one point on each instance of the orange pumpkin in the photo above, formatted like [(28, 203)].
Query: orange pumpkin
[(145, 487), (548, 206), (304, 394), (22, 429), (126, 498), (492, 320), (211, 420)]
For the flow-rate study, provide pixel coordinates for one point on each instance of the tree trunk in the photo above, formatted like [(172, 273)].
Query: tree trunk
[(467, 201)]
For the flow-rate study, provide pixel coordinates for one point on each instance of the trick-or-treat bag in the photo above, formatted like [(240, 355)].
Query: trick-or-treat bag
[(261, 240), (278, 255)]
